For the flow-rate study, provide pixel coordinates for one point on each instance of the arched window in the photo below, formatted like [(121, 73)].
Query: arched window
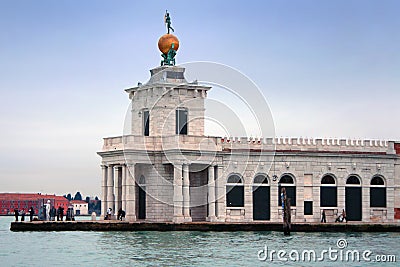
[(353, 180), (377, 193), (234, 191), (376, 180), (260, 180), (328, 179), (181, 121), (328, 191), (287, 182)]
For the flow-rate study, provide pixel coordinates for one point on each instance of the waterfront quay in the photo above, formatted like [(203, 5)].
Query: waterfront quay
[(199, 226)]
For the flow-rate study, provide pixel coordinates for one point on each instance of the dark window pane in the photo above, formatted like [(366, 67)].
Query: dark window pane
[(181, 121), (353, 180), (308, 208), (377, 197), (234, 179), (377, 181), (328, 196), (261, 179), (235, 196), (328, 180), (290, 193), (286, 179), (146, 122)]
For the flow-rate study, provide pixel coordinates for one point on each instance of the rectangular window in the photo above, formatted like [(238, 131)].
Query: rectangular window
[(377, 197), (308, 209), (181, 121), (290, 193), (146, 123), (235, 196), (328, 196)]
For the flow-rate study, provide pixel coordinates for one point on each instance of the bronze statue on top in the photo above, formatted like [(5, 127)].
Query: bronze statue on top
[(167, 21), (168, 44)]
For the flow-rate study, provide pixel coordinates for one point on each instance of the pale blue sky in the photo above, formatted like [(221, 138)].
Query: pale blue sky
[(327, 68)]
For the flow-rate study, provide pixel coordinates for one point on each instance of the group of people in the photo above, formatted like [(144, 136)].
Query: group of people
[(49, 214), (341, 218), (22, 213), (52, 213), (120, 214)]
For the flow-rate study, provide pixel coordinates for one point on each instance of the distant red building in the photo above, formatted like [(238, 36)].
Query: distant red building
[(22, 201)]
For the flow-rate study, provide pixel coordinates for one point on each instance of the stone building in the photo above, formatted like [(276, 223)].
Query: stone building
[(166, 169), (80, 207)]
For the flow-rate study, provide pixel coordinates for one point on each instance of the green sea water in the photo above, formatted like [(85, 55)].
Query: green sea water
[(186, 248)]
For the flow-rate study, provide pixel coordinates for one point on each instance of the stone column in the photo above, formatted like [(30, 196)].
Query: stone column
[(274, 209), (178, 197), (220, 181), (211, 195), (104, 191), (123, 184), (186, 194), (130, 193), (117, 195), (110, 188), (341, 193)]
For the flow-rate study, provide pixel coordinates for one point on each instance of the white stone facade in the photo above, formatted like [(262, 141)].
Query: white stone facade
[(173, 177), (80, 207)]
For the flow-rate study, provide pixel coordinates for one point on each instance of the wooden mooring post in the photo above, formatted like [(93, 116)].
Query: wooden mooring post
[(286, 213)]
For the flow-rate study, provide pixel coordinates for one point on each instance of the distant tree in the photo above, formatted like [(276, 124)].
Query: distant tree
[(78, 196), (69, 197), (87, 199)]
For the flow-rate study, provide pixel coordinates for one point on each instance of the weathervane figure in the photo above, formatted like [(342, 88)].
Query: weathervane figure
[(167, 21)]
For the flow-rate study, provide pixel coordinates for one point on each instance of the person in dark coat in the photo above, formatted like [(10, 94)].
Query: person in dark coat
[(16, 214), (119, 214), (53, 212), (22, 215), (61, 213), (323, 219), (31, 213), (344, 216), (58, 213)]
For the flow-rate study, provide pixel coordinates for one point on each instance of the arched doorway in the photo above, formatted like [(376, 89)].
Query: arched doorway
[(328, 191), (377, 193), (261, 198), (141, 198), (353, 205), (287, 182)]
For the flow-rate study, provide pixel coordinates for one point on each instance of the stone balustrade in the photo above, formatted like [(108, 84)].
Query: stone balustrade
[(209, 143)]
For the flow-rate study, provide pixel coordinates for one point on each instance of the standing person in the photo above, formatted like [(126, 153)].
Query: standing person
[(22, 215), (16, 214), (52, 213), (31, 213), (344, 216), (61, 213), (109, 211), (323, 219), (58, 213), (119, 215)]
